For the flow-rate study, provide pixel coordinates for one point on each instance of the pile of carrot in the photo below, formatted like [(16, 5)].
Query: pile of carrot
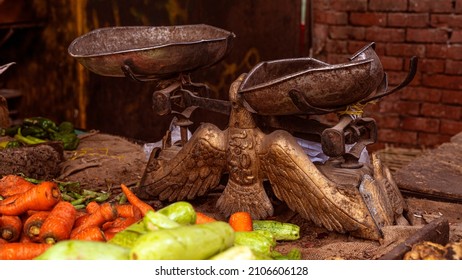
[(33, 217)]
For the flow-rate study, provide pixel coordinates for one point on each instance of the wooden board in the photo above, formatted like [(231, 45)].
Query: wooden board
[(436, 174), (437, 232)]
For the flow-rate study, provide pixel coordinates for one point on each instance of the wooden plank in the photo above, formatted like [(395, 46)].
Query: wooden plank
[(436, 231), (436, 174)]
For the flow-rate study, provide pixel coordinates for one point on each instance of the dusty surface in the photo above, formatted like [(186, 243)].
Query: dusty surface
[(103, 162), (39, 162), (436, 173)]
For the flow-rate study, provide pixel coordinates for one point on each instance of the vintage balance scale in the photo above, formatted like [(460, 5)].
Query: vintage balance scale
[(267, 107)]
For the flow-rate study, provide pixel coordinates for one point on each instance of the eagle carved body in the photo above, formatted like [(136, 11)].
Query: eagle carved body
[(250, 157)]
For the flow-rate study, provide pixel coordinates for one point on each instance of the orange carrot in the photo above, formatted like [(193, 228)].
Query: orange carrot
[(118, 225), (106, 212), (128, 210), (202, 218), (43, 197), (25, 239), (119, 222), (91, 233), (241, 221), (10, 228), (22, 251), (79, 214), (33, 223), (136, 201), (92, 206), (59, 223), (109, 235), (14, 184), (80, 220)]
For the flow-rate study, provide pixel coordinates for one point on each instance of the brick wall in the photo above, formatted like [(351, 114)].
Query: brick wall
[(427, 112)]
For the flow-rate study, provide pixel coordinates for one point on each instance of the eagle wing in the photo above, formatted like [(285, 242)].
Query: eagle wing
[(194, 170), (296, 181)]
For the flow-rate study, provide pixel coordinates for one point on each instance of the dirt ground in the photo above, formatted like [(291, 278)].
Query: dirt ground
[(103, 162)]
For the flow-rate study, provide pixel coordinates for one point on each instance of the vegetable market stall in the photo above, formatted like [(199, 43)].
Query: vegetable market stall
[(103, 162)]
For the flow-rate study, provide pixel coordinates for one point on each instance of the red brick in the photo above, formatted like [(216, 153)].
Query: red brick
[(349, 5), (456, 37), (438, 6), (400, 107), (321, 5), (334, 58), (331, 17), (436, 50), (431, 66), (380, 34), (425, 35), (454, 52), (400, 49), (420, 124), (441, 111), (442, 81), (445, 20), (397, 136), (396, 77), (388, 5), (451, 97), (354, 46), (459, 6), (368, 19), (392, 63), (376, 146), (431, 140), (320, 31), (387, 121), (421, 94), (336, 46), (408, 20), (454, 67), (450, 127), (347, 32)]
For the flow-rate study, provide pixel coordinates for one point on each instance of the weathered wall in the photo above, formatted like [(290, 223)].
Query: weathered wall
[(429, 111)]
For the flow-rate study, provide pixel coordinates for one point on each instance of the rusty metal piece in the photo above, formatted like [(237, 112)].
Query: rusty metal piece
[(250, 156), (333, 139), (161, 103), (151, 52), (309, 86), (183, 121), (437, 231)]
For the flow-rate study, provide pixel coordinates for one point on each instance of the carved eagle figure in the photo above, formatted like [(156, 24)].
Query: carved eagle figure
[(250, 156)]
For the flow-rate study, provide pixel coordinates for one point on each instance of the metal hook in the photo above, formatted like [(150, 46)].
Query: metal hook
[(407, 80)]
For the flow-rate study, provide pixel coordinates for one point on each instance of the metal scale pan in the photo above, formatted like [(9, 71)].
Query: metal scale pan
[(309, 86), (151, 52)]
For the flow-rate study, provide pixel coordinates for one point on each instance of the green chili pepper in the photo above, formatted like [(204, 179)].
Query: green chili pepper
[(66, 127), (44, 123), (13, 144), (34, 131), (102, 197), (70, 140), (79, 200), (10, 131), (28, 140)]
